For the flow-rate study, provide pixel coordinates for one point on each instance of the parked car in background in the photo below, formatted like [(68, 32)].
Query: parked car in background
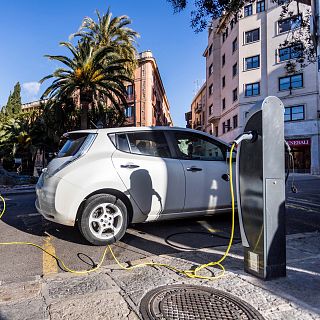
[(102, 180)]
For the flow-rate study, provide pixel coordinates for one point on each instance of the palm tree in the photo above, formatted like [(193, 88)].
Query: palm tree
[(92, 74), (114, 32)]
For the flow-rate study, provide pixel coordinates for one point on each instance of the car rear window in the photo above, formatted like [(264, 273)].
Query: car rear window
[(72, 144), (122, 142)]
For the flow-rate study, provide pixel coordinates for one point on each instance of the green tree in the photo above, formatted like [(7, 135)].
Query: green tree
[(20, 135), (90, 75), (13, 105), (113, 32)]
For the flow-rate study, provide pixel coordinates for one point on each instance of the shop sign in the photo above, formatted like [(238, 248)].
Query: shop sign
[(299, 142)]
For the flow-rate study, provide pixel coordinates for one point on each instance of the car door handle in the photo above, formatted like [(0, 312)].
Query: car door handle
[(194, 169), (129, 166)]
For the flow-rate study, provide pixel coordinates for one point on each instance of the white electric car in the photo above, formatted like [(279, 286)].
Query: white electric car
[(104, 179)]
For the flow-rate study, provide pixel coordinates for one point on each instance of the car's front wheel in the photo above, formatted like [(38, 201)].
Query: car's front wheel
[(104, 219)]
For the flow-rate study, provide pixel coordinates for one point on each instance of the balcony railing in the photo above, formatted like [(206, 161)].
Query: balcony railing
[(198, 108), (130, 97)]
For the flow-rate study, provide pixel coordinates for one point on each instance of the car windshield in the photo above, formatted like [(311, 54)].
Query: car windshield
[(72, 144)]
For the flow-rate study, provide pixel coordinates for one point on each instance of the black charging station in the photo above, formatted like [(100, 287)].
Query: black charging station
[(261, 191)]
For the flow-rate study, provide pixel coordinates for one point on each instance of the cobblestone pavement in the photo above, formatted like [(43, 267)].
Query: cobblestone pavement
[(112, 293)]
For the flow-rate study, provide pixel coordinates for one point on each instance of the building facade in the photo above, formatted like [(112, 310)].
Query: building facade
[(245, 63), (148, 104), (198, 111)]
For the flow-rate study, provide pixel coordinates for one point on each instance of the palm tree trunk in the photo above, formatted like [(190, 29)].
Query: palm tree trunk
[(84, 115), (85, 100)]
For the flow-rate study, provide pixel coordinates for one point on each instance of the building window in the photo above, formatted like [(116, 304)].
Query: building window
[(235, 95), (223, 81), (252, 62), (234, 69), (228, 125), (291, 82), (235, 121), (216, 131), (260, 6), (210, 70), (210, 109), (130, 90), (289, 24), (225, 34), (234, 45), (294, 113), (252, 36), (252, 89), (248, 10), (210, 50), (233, 21), (210, 89), (223, 103), (223, 59), (292, 52), (128, 111)]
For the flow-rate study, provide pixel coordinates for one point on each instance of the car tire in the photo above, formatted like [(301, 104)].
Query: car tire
[(104, 219)]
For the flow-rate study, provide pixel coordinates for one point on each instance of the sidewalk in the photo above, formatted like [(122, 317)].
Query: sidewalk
[(111, 293)]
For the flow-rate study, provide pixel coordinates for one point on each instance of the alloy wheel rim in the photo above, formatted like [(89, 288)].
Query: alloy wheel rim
[(105, 221)]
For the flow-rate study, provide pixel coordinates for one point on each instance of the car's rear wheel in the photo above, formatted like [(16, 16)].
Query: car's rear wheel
[(104, 219)]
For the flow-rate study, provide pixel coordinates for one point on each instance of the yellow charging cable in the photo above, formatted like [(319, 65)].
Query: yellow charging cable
[(188, 273), (4, 206)]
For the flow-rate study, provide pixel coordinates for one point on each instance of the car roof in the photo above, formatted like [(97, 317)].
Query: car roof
[(131, 129)]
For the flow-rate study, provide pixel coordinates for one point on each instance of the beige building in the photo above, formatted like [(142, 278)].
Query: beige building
[(245, 63), (148, 104), (31, 106), (197, 115)]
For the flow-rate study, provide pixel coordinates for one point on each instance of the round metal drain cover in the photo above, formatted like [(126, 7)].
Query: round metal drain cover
[(187, 302)]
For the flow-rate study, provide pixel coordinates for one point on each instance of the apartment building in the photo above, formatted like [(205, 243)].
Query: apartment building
[(148, 104), (245, 63), (198, 113)]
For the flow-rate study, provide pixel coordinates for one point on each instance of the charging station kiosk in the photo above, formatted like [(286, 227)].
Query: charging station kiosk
[(261, 191)]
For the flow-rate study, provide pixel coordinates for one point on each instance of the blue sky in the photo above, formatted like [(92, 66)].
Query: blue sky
[(34, 28)]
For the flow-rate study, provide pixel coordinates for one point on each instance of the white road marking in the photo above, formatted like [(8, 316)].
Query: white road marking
[(302, 201)]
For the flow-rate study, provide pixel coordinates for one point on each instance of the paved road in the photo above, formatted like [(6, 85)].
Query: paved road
[(22, 223)]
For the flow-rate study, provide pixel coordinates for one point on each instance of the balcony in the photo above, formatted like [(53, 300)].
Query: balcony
[(128, 122), (197, 125), (215, 115), (213, 118), (198, 108), (130, 97), (188, 116)]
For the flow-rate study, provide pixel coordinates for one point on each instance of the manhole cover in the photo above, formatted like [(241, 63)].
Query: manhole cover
[(187, 302)]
